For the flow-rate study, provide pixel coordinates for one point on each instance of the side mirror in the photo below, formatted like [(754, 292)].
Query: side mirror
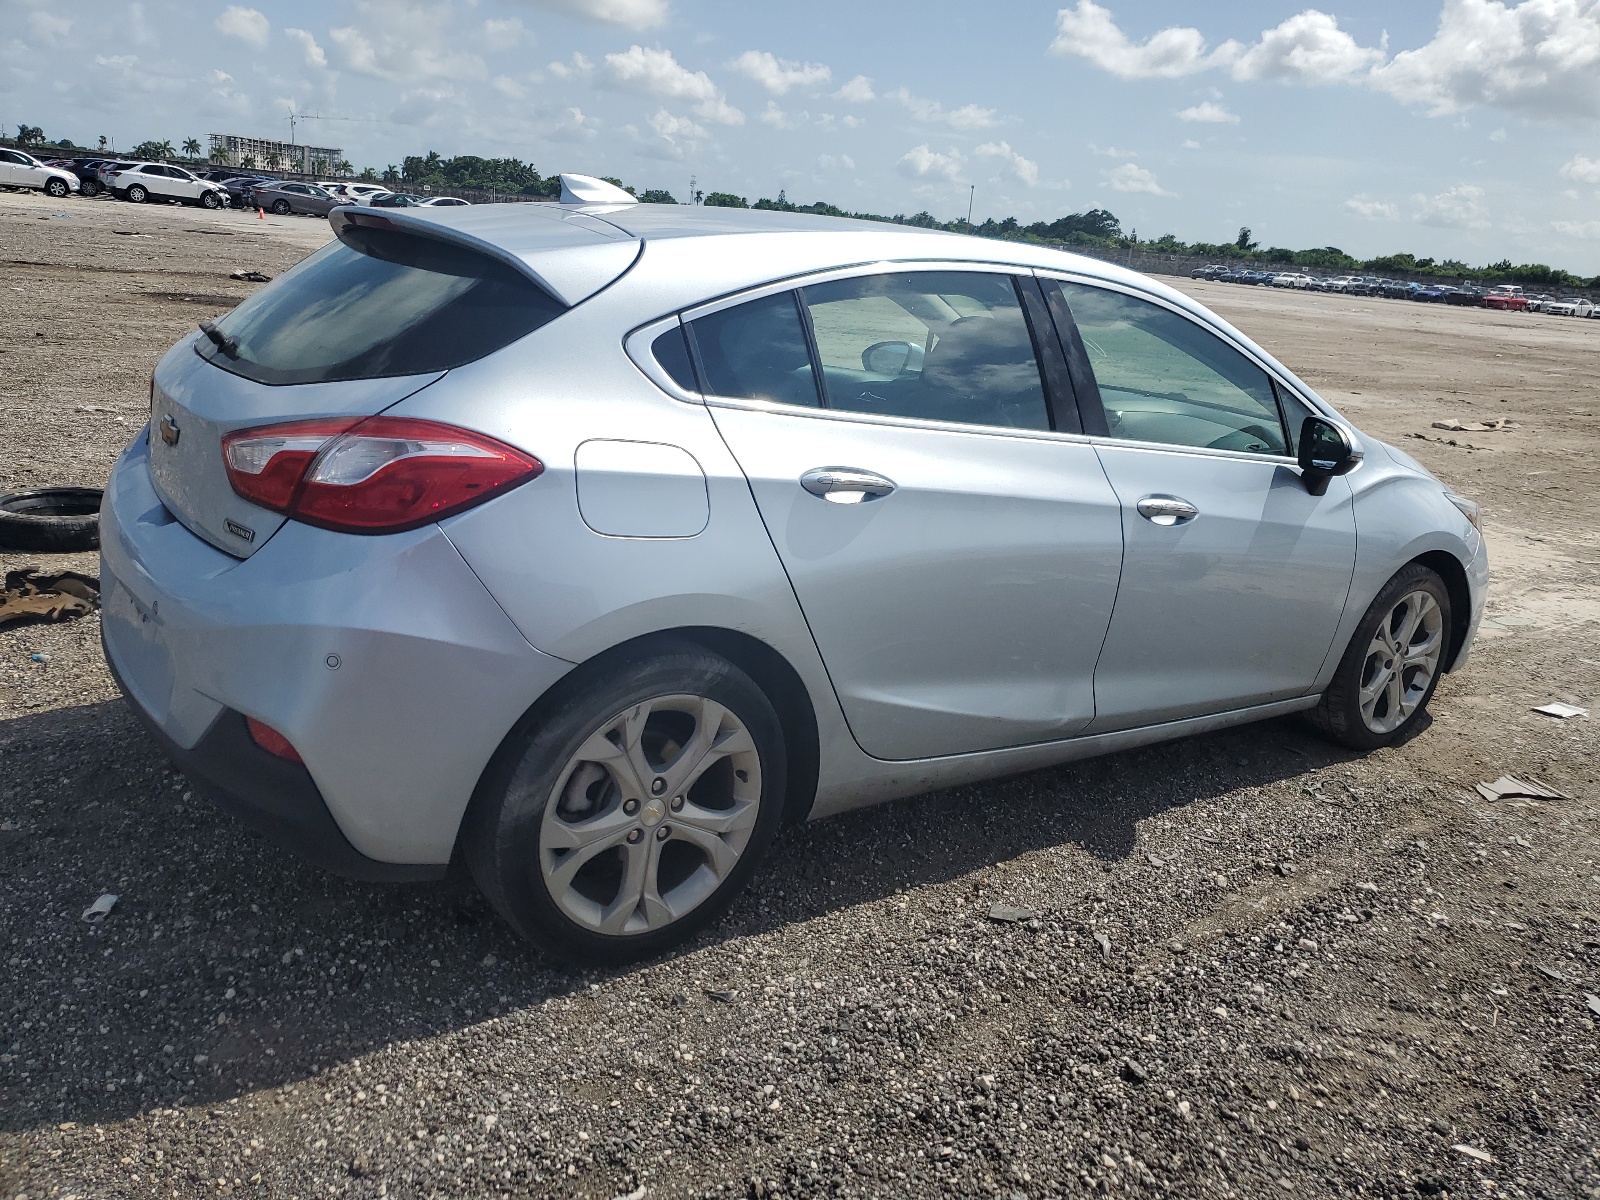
[(892, 358), (1325, 451)]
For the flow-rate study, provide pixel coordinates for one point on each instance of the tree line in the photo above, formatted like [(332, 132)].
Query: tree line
[(1096, 228)]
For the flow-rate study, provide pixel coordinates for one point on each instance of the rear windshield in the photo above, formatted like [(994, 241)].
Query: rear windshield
[(377, 303)]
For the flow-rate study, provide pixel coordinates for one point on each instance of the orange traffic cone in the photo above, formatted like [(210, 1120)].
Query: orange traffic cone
[(260, 216)]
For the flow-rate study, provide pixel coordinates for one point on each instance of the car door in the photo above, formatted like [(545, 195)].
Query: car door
[(9, 163), (184, 184), (949, 533), (320, 201), (1234, 575)]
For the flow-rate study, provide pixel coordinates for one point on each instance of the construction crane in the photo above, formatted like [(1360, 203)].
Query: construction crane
[(295, 117)]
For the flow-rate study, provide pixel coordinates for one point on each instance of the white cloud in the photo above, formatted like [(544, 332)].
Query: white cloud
[(778, 119), (1582, 170), (1588, 230), (246, 24), (672, 128), (314, 55), (406, 43), (964, 119), (1191, 144), (1025, 169), (857, 91), (1459, 208), (920, 163), (1538, 57), (633, 14), (1090, 32), (1130, 177), (1208, 112), (567, 70), (1363, 205), (48, 27), (1307, 48), (1112, 152), (656, 73), (504, 34), (778, 75), (828, 162), (1499, 135)]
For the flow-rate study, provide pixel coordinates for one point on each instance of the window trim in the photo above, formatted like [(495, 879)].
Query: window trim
[(1093, 388)]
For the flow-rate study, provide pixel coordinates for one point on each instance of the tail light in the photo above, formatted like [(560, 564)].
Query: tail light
[(372, 475), (270, 740)]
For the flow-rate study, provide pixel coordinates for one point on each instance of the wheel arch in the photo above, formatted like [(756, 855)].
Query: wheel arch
[(1448, 567), (770, 670)]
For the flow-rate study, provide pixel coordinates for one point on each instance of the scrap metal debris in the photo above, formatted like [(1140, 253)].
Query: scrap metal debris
[(31, 596), (1494, 425), (1508, 786), (251, 276)]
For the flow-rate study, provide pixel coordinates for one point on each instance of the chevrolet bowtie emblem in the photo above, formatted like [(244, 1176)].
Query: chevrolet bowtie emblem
[(170, 433)]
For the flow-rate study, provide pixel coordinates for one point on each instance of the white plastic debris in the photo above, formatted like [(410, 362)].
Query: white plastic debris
[(98, 911), (1473, 1152), (1565, 711), (1509, 786)]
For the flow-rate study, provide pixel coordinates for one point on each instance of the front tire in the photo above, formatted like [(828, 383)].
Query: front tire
[(631, 808), (1388, 674), (56, 189), (210, 200)]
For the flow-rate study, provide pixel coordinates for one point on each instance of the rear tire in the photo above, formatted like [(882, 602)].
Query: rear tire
[(89, 188), (281, 207), (631, 807), (1381, 689), (137, 194)]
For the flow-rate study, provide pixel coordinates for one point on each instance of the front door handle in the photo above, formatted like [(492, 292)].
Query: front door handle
[(845, 485), (1167, 510)]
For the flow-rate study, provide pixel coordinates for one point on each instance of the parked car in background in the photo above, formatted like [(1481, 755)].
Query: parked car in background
[(396, 200), (85, 170), (241, 188), (1429, 293), (106, 166), (284, 198), (353, 193), (444, 202), (19, 169), (1340, 283), (1467, 294), (1538, 300), (1569, 306), (1394, 289), (139, 182), (1506, 296), (587, 553), (1207, 272)]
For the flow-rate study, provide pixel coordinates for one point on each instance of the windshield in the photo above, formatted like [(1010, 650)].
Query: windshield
[(377, 303)]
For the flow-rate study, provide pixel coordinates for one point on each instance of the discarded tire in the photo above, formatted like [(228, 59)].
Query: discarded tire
[(52, 520)]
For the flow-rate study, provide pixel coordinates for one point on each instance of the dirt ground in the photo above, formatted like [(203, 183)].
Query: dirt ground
[(1259, 965)]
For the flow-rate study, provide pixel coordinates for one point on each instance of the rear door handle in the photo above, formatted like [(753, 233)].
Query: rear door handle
[(845, 485), (1167, 510)]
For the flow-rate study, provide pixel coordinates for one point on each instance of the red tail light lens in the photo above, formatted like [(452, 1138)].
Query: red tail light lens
[(378, 475), (270, 740)]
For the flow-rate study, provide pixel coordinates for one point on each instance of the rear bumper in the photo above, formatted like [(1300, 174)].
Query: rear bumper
[(276, 798), (383, 660)]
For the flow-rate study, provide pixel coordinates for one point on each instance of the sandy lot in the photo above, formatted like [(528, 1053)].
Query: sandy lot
[(1260, 965)]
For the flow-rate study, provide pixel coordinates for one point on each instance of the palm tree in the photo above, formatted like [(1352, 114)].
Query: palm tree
[(103, 141), (191, 147), (219, 154), (165, 149), (248, 162)]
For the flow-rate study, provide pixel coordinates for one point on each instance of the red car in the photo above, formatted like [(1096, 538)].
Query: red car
[(1506, 296)]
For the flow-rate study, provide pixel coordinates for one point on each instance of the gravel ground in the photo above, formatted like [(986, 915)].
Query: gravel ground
[(1248, 964)]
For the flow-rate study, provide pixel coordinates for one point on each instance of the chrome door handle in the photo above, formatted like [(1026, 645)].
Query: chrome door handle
[(845, 485), (1167, 510)]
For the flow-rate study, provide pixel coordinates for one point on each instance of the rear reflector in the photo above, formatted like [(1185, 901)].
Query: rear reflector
[(270, 740), (378, 475)]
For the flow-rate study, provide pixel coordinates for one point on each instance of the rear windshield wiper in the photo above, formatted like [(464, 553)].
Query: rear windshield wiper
[(228, 345)]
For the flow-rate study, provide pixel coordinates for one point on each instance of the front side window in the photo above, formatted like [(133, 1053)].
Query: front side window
[(756, 351), (938, 345), (1163, 378), (376, 303)]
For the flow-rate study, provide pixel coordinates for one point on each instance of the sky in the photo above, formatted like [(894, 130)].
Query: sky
[(1465, 129)]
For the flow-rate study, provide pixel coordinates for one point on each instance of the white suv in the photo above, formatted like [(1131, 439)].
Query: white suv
[(355, 193), (158, 181), (21, 170)]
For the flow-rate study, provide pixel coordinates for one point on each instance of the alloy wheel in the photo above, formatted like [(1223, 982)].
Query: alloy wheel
[(1401, 662), (650, 815)]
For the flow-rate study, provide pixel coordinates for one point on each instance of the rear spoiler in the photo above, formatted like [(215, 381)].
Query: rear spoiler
[(569, 273)]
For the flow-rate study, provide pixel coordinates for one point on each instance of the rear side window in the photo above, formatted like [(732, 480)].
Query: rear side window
[(756, 351), (671, 350), (378, 303)]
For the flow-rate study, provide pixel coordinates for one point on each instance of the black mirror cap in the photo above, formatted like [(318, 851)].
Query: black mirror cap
[(1325, 450)]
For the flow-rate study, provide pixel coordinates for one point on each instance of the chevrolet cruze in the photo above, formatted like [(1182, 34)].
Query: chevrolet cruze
[(587, 543)]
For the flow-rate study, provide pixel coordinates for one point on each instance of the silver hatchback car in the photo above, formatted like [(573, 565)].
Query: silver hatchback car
[(588, 543)]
